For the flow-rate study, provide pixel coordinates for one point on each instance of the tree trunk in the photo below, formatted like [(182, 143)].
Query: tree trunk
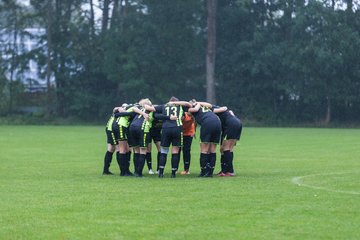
[(210, 53), (13, 63), (123, 14), (115, 15), (105, 16), (349, 7), (49, 106), (328, 111), (92, 20)]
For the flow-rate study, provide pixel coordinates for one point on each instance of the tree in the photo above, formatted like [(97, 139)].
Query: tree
[(211, 51)]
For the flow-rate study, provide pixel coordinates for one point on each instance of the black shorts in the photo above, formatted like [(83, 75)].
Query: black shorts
[(112, 137), (123, 133), (138, 138), (232, 130), (172, 136), (210, 131), (155, 134)]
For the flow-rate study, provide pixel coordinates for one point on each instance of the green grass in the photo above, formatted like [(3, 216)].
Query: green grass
[(51, 187)]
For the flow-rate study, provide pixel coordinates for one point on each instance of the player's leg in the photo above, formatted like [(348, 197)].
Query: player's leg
[(149, 158), (177, 142), (141, 161), (204, 156), (230, 169), (158, 148), (233, 136), (222, 160), (108, 158), (204, 149), (133, 138), (186, 154), (165, 144), (212, 159), (111, 143), (215, 134), (144, 140), (121, 155)]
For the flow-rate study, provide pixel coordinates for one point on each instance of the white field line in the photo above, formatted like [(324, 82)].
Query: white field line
[(298, 181)]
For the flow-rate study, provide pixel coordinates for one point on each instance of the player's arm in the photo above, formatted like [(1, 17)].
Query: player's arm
[(195, 108), (149, 108), (164, 117), (158, 108), (124, 114), (142, 113), (181, 103), (220, 109), (205, 104), (118, 109)]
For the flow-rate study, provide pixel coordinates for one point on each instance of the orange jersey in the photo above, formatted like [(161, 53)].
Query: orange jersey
[(188, 125)]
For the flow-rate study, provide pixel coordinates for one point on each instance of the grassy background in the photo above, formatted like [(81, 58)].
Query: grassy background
[(51, 187)]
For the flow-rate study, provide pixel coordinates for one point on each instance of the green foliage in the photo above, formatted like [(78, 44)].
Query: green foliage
[(276, 61)]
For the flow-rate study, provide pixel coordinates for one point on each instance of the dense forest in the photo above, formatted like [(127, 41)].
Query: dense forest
[(274, 61)]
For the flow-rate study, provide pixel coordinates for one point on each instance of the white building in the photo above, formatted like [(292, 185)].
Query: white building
[(23, 44)]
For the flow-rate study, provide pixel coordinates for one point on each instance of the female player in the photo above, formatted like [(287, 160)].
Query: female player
[(189, 126), (171, 133), (122, 123), (231, 132), (112, 133), (209, 136)]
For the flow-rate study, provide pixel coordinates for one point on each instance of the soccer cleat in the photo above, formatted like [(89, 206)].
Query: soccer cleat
[(151, 172), (221, 174), (161, 175), (157, 172), (229, 174), (185, 172), (139, 175), (107, 173), (173, 175), (129, 174), (126, 174)]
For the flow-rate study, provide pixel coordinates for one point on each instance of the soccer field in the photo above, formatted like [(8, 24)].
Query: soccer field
[(291, 183)]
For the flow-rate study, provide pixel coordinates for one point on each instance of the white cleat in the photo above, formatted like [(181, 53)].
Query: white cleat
[(151, 171)]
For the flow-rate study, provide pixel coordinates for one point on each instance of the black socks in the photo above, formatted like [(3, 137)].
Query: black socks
[(107, 162)]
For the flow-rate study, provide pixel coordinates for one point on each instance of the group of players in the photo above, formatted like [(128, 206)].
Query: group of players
[(132, 127)]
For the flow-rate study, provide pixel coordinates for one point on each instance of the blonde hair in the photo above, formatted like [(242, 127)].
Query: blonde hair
[(145, 101)]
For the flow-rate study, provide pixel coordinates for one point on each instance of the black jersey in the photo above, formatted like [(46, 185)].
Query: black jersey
[(226, 118), (139, 121), (125, 118), (204, 114), (171, 110), (157, 122)]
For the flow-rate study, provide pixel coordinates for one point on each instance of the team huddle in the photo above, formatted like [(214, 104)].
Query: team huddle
[(133, 127)]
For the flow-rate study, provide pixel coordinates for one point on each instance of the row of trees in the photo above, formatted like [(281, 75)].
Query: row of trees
[(276, 60)]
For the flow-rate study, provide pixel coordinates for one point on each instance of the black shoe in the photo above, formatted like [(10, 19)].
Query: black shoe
[(126, 174), (173, 175), (107, 173), (161, 175)]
